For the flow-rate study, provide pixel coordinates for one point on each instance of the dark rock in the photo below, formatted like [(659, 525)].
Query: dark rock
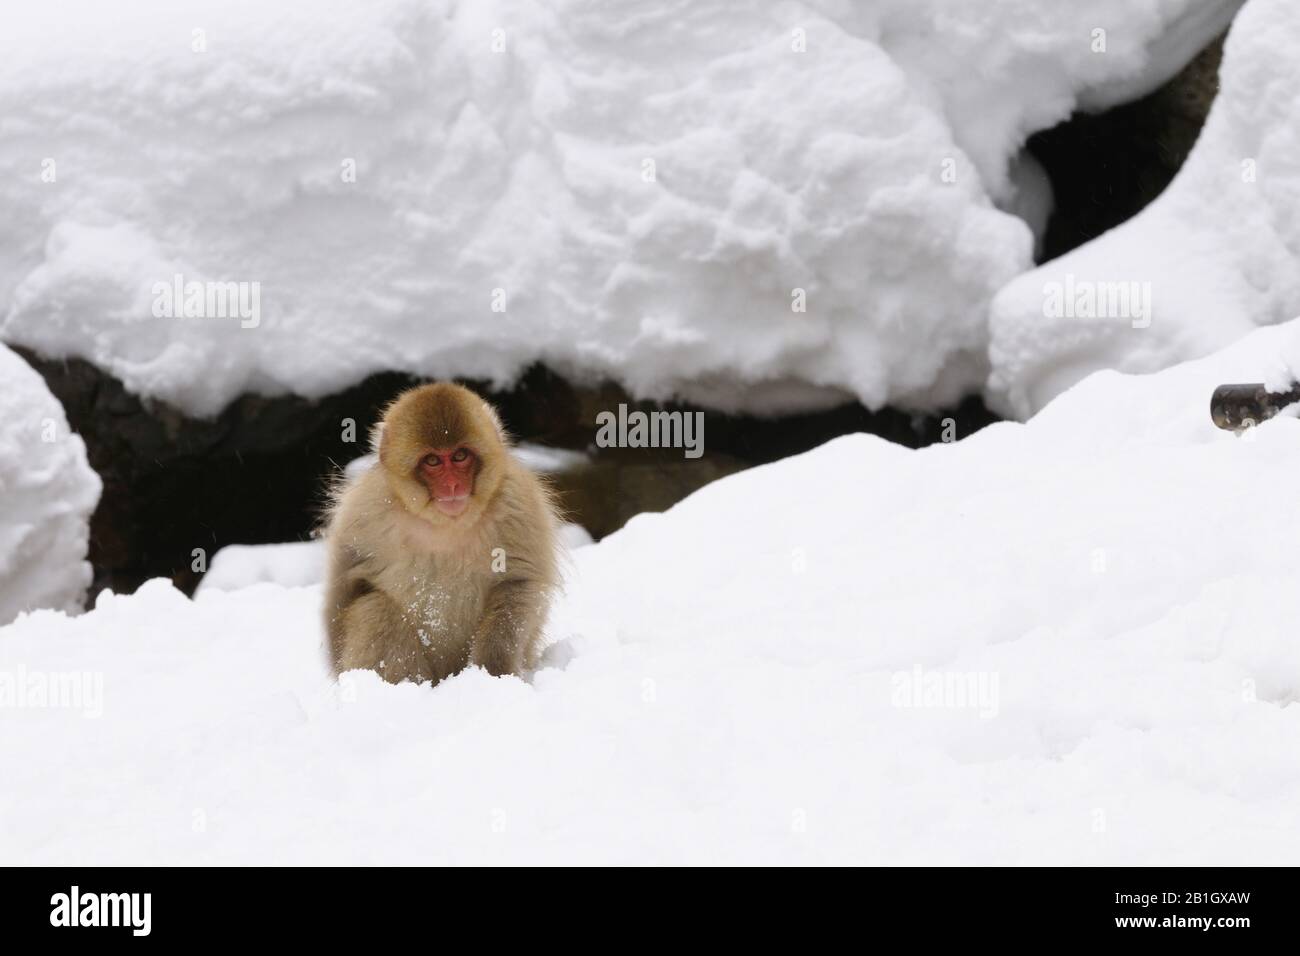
[(1106, 167), (256, 472)]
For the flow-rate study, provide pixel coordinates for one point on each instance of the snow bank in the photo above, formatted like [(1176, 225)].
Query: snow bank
[(465, 188), (294, 564), (47, 494), (1071, 641), (1218, 251)]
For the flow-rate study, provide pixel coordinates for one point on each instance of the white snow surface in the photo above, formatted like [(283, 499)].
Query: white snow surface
[(730, 679), (47, 494), (519, 178), (1220, 248), (293, 564)]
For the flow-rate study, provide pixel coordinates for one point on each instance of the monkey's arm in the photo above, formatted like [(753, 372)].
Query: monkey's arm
[(511, 627), (360, 620), (370, 632)]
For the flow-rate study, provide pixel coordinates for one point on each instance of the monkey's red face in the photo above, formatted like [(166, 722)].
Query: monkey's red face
[(449, 473), (444, 456)]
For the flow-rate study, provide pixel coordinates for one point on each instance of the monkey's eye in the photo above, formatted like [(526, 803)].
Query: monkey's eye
[(460, 454), (433, 461)]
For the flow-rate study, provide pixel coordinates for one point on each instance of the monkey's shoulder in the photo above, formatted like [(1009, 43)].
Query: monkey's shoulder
[(527, 519), (528, 499)]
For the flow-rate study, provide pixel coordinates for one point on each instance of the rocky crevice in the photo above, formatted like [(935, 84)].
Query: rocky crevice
[(256, 473)]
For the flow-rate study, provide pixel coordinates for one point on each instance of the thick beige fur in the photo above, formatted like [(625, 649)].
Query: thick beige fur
[(416, 595)]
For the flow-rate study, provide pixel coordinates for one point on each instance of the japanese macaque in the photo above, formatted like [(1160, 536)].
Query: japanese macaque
[(443, 554)]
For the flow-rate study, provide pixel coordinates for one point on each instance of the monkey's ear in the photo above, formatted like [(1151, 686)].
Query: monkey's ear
[(496, 422)]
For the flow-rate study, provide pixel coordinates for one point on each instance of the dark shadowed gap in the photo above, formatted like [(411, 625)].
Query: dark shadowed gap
[(255, 474), (1106, 167)]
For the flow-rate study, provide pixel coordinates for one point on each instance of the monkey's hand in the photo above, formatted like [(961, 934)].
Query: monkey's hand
[(511, 625)]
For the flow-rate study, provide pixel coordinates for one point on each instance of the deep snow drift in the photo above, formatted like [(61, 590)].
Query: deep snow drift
[(47, 494), (1219, 249), (1071, 641), (645, 193)]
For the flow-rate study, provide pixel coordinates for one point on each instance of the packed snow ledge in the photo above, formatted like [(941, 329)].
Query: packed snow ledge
[(1070, 641), (768, 206)]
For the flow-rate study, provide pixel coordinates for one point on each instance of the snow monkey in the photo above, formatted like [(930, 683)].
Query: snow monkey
[(443, 554)]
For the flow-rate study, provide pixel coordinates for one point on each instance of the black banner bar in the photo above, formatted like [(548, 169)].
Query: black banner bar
[(1171, 906)]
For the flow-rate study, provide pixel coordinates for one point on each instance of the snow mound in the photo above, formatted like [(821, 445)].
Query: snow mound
[(47, 494), (651, 195), (294, 564), (1218, 251), (1070, 641)]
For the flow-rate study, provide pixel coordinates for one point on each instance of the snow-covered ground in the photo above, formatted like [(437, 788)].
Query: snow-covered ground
[(1218, 252), (1068, 641), (744, 203)]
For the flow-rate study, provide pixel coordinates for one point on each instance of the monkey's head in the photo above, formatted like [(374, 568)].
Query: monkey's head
[(443, 451)]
